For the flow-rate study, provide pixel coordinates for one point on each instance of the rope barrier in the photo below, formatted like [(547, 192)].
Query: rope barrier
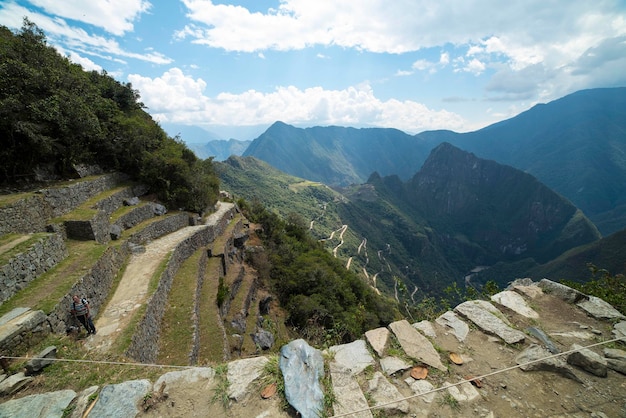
[(380, 406)]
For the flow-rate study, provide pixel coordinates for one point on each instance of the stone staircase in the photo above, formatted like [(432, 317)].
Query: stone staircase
[(520, 354)]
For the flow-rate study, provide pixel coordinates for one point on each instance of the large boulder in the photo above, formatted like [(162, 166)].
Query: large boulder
[(303, 367)]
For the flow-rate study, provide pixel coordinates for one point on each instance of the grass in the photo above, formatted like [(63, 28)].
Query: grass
[(272, 375), (20, 247), (86, 372), (176, 338), (211, 337), (47, 290), (451, 401), (220, 391)]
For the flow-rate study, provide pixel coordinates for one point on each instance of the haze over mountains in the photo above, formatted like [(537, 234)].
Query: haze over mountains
[(575, 145), (429, 211)]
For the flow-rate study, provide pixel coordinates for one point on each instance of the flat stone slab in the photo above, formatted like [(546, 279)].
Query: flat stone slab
[(588, 360), (121, 400), (463, 392), (450, 320), (514, 302), (27, 320), (422, 387), (561, 291), (348, 394), (599, 309), (384, 393), (536, 358), (487, 321), (241, 373), (426, 327), (378, 338), (415, 345), (531, 291), (353, 356), (14, 383), (50, 404), (196, 375), (391, 365)]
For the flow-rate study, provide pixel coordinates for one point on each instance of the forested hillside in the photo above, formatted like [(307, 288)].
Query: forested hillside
[(54, 115)]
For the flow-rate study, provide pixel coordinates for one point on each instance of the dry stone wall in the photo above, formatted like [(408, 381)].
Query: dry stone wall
[(64, 199), (25, 216), (159, 228), (25, 267), (95, 286), (144, 345)]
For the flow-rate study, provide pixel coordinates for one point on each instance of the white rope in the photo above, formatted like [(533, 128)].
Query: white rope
[(121, 363), (379, 406)]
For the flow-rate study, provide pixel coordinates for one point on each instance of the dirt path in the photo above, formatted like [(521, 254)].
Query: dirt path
[(131, 293), (6, 247)]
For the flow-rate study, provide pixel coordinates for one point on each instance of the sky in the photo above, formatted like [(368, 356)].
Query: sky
[(233, 68)]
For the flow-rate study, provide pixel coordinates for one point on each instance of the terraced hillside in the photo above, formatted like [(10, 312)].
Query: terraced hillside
[(151, 277)]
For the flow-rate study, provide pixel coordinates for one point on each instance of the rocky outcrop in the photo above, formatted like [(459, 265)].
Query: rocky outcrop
[(381, 381)]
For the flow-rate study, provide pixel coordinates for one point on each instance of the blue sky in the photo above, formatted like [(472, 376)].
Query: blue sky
[(235, 67)]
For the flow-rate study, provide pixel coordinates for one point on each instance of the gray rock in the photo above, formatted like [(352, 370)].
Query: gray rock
[(587, 360), (531, 291), (485, 318), (422, 387), (534, 359), (43, 359), (48, 405), (426, 327), (391, 365), (617, 365), (459, 328), (131, 201), (121, 400), (302, 367), (378, 339), (600, 309), (384, 393), (195, 375), (619, 331), (464, 392), (348, 394), (615, 353), (353, 356), (263, 339), (83, 402), (514, 302), (115, 231), (241, 373), (561, 291), (159, 210), (546, 341), (14, 383), (415, 345)]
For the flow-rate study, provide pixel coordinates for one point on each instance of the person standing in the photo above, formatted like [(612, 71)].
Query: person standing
[(80, 310)]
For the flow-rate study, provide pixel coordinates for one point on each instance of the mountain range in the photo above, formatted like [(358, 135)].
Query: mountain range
[(575, 145), (424, 211)]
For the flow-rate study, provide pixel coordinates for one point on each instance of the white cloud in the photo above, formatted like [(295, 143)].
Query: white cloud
[(114, 16), (74, 38), (178, 98)]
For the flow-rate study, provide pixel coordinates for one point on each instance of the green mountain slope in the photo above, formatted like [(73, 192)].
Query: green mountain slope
[(575, 145), (414, 238), (339, 156)]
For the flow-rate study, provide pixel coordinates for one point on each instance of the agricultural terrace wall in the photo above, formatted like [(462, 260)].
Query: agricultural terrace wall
[(20, 270), (144, 344)]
